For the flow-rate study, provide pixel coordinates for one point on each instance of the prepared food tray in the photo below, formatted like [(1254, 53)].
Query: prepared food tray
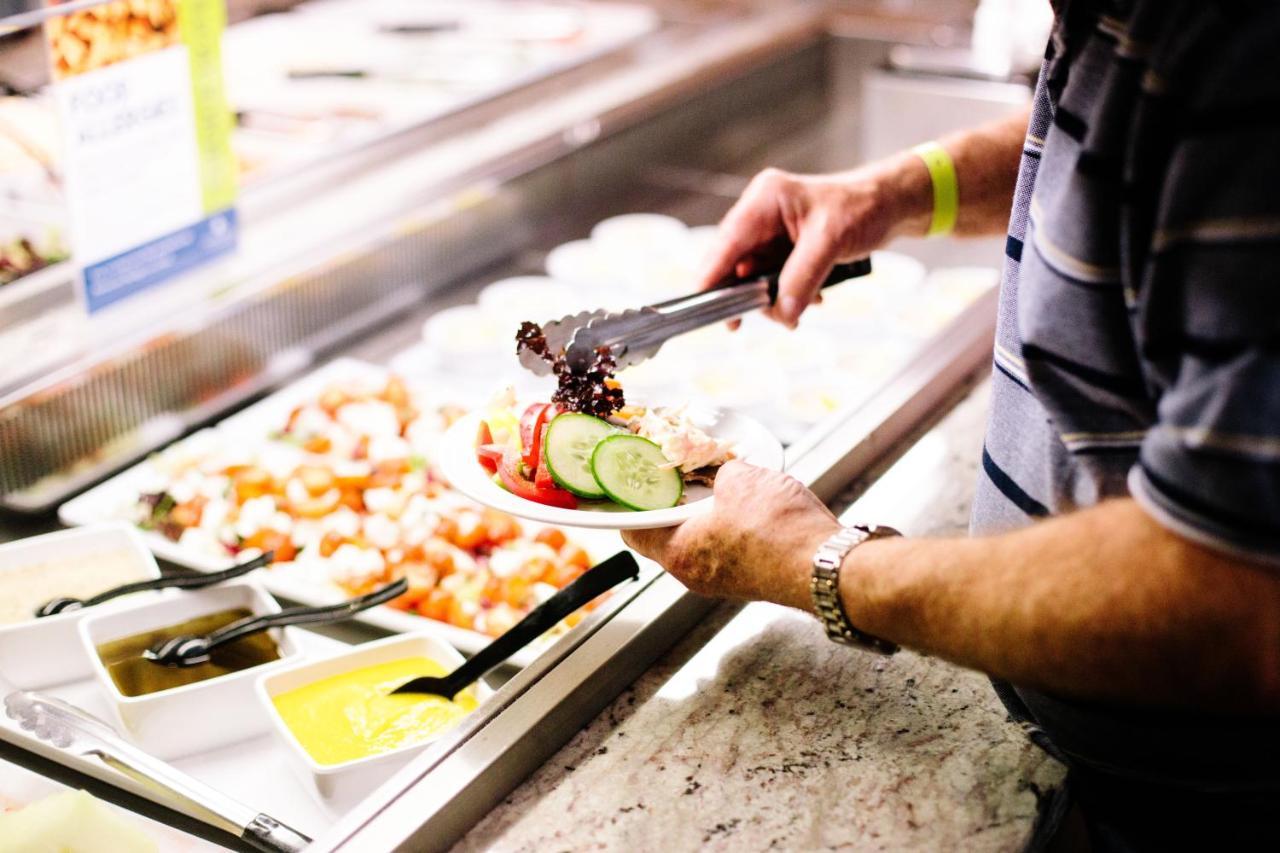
[(267, 781), (338, 475)]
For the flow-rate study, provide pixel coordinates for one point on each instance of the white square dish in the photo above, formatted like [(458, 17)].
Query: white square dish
[(194, 717), (42, 652), (341, 785)]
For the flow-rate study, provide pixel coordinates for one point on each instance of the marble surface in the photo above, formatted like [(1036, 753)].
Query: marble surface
[(755, 732)]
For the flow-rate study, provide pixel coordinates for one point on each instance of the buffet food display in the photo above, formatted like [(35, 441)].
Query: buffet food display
[(23, 255), (344, 730), (338, 477), (355, 477), (203, 728)]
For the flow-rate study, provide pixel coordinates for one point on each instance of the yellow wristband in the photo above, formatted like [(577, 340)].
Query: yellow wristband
[(946, 191)]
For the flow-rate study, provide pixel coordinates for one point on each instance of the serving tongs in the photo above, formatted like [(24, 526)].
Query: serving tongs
[(75, 732), (637, 334)]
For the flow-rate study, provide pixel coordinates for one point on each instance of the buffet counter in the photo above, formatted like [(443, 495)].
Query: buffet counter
[(396, 255), (756, 732)]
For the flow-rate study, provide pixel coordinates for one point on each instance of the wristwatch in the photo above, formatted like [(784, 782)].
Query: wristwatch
[(825, 586)]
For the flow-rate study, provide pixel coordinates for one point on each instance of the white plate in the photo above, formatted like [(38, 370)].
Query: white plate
[(116, 498), (752, 443)]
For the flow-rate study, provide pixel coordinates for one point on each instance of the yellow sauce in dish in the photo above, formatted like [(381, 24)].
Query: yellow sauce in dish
[(353, 715)]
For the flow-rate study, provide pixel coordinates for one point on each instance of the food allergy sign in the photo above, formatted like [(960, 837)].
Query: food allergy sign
[(149, 172)]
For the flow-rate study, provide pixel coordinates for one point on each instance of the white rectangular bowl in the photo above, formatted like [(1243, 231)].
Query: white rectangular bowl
[(48, 651), (342, 785), (194, 717)]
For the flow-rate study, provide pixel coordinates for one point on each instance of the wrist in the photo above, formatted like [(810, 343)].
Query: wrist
[(904, 193), (863, 587)]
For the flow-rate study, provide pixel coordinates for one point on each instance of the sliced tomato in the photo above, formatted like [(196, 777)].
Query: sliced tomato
[(521, 486), (531, 425), (490, 456), (542, 476), (539, 433), (484, 439)]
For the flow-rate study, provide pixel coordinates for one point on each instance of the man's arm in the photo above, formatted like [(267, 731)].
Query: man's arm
[(1103, 603), (840, 217)]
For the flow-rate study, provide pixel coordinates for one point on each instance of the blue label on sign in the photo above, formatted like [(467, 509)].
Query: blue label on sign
[(151, 264)]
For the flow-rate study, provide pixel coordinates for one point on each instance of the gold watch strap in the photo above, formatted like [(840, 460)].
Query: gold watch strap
[(824, 584)]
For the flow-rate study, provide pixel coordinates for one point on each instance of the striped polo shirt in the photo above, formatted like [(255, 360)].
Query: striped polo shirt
[(1138, 340), (1138, 353)]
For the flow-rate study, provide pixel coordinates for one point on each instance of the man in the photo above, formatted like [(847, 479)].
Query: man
[(1125, 568)]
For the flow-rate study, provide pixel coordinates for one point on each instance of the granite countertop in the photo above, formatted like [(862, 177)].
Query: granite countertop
[(755, 732)]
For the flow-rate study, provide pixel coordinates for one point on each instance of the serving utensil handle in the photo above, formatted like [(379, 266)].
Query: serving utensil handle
[(687, 313), (199, 581), (169, 784), (599, 579), (261, 831), (266, 833), (306, 615)]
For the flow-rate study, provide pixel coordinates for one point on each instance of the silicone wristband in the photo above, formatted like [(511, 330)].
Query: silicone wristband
[(946, 191)]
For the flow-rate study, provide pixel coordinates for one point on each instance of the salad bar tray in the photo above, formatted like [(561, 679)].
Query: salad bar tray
[(255, 437), (267, 781)]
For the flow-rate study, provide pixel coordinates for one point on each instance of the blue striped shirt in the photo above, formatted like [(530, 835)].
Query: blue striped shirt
[(1138, 353), (1138, 341)]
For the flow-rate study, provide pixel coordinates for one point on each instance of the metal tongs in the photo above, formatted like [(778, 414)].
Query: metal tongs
[(637, 334), (71, 731)]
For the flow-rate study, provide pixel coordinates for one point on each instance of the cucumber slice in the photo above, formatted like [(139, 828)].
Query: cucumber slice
[(568, 442), (629, 469)]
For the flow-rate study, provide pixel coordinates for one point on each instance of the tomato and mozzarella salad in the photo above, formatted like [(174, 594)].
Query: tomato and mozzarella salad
[(344, 492), (637, 458)]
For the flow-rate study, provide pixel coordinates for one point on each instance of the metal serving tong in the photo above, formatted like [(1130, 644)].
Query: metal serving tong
[(596, 580), (54, 606), (634, 335), (188, 650), (75, 732)]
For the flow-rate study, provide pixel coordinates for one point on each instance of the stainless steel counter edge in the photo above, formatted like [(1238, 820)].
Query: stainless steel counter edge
[(451, 792)]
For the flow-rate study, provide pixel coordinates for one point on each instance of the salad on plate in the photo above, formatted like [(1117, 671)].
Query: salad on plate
[(634, 457)]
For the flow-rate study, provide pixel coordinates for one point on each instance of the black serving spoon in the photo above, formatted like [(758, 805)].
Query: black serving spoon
[(189, 650), (596, 580), (63, 605)]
